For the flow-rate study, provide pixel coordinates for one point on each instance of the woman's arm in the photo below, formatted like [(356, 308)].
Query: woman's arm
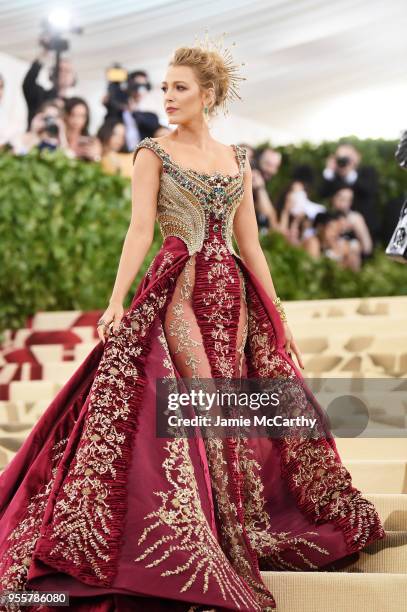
[(265, 207), (246, 233), (247, 238), (362, 232), (145, 186), (312, 246), (262, 203)]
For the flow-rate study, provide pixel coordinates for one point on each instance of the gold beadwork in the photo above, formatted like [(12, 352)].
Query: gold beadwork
[(240, 349), (181, 513), (187, 200), (268, 544), (180, 327), (277, 303), (24, 537)]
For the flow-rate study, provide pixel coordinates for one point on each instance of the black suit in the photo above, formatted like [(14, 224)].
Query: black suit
[(147, 123), (35, 94)]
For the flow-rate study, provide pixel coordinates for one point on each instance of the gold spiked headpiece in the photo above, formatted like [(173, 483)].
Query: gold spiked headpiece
[(217, 44)]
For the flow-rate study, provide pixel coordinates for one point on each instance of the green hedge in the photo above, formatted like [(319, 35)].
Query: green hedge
[(63, 222), (297, 276)]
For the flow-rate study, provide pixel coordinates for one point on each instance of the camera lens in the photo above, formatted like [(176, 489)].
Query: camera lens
[(342, 161), (51, 127)]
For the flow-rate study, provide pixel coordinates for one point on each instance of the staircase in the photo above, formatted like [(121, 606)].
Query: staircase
[(355, 340), (358, 340)]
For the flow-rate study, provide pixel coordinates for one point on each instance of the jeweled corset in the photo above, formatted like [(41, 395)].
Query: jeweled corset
[(194, 205)]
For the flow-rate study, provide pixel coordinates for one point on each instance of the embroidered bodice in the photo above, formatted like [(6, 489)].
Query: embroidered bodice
[(192, 205)]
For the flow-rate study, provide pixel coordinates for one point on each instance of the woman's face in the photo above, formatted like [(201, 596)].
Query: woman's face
[(77, 118), (343, 224), (117, 138), (342, 200), (297, 186), (182, 94), (331, 231)]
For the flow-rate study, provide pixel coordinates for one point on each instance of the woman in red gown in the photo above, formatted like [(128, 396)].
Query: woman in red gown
[(94, 503)]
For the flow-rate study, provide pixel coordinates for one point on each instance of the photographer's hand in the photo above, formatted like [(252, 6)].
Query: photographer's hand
[(63, 140), (44, 53)]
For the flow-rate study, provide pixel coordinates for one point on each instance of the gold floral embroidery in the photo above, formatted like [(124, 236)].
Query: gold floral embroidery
[(268, 544), (24, 537), (219, 303), (89, 511), (180, 327), (181, 514), (313, 472), (324, 485), (168, 258), (186, 530), (231, 527), (241, 348)]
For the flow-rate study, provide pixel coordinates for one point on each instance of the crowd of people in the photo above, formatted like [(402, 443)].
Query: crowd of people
[(345, 230), (58, 119)]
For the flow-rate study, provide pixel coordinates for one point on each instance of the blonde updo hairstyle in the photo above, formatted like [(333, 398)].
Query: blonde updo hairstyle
[(210, 71)]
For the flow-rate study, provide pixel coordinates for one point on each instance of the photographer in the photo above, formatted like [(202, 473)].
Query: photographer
[(343, 170), (47, 130), (123, 99), (35, 94)]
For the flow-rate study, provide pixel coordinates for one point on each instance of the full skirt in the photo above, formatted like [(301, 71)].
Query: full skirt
[(96, 505)]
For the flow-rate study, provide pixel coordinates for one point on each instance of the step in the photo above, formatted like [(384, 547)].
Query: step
[(18, 412), (392, 509), (372, 448), (334, 361), (31, 390), (337, 591), (372, 476), (61, 319), (370, 307), (386, 556), (347, 327)]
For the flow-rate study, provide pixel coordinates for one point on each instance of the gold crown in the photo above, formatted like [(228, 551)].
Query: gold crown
[(217, 44)]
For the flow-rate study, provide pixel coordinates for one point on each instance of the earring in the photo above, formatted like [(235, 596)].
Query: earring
[(206, 110)]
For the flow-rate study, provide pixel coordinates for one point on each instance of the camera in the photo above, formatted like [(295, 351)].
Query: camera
[(137, 87), (53, 29), (121, 86), (51, 127), (254, 165), (342, 162)]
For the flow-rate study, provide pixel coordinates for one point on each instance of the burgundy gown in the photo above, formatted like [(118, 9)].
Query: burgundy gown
[(96, 505)]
